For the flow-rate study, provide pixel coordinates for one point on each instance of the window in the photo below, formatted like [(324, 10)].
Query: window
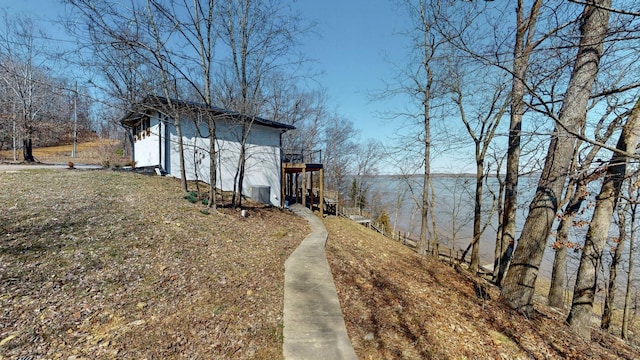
[(143, 128)]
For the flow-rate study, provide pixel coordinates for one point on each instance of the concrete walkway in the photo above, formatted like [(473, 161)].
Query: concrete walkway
[(313, 322)]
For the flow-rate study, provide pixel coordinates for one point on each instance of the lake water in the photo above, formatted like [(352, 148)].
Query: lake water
[(453, 208)]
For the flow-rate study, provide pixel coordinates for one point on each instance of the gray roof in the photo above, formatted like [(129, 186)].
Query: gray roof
[(152, 102)]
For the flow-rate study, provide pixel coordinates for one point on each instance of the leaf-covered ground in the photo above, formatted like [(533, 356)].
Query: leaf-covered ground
[(398, 305), (114, 265), (103, 152)]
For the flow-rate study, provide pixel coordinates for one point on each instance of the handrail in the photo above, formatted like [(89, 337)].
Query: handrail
[(308, 156)]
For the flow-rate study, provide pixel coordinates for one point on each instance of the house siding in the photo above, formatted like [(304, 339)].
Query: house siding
[(146, 145), (263, 167)]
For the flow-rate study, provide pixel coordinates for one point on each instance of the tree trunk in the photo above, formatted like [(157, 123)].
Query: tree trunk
[(424, 211), (27, 149), (213, 165), (576, 193), (477, 214), (586, 282), (609, 301), (183, 170), (521, 53), (435, 250), (498, 251), (236, 199), (519, 285), (558, 276), (559, 272), (243, 164), (627, 296)]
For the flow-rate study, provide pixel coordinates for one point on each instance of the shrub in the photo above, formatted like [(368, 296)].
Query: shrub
[(192, 197), (71, 165), (384, 220)]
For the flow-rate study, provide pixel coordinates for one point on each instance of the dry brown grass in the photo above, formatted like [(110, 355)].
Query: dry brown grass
[(104, 264), (398, 305), (97, 152)]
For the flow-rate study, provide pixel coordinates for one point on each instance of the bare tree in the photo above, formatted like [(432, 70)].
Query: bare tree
[(586, 282), (159, 53), (481, 125), (305, 110), (520, 281), (260, 37), (399, 200), (576, 195), (8, 120), (454, 206), (498, 160), (23, 71), (126, 76), (421, 82), (405, 166), (367, 158), (196, 23), (533, 64), (634, 200), (523, 47), (339, 147), (140, 33), (618, 244)]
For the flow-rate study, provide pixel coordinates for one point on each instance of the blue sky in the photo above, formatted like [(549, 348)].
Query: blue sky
[(350, 44), (355, 46)]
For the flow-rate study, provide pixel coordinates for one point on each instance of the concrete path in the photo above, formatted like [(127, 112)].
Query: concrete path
[(313, 322)]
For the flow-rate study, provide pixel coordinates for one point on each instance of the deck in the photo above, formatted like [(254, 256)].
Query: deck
[(299, 168)]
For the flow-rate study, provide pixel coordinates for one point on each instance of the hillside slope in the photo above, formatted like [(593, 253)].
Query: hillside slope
[(398, 305), (114, 265), (107, 152)]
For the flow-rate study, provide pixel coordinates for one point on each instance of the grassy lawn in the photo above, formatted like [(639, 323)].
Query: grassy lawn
[(106, 264), (107, 152)]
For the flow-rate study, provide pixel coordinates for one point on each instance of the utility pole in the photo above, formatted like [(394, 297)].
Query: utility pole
[(15, 134), (75, 120)]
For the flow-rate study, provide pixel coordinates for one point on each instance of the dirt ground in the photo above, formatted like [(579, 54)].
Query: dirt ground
[(113, 265), (106, 264), (398, 305)]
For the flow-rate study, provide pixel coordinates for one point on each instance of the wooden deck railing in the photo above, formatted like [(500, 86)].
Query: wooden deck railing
[(302, 156)]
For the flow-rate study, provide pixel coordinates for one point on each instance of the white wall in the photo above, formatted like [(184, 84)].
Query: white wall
[(263, 156), (146, 148)]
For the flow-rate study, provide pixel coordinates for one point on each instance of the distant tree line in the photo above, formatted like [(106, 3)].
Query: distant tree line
[(36, 101)]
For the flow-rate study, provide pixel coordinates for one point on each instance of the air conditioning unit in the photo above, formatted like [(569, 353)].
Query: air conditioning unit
[(261, 194)]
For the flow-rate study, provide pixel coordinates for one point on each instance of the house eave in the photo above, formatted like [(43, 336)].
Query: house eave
[(133, 117), (130, 120)]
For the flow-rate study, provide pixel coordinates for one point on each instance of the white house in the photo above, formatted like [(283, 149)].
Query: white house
[(155, 144)]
